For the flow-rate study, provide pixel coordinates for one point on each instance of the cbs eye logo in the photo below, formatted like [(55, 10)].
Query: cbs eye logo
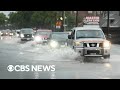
[(10, 68)]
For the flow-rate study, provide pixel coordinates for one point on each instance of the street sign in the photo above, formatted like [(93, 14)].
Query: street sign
[(58, 23), (58, 27), (91, 20), (64, 25)]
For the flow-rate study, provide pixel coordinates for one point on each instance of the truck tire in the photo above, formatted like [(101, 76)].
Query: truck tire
[(22, 39), (73, 47), (107, 57)]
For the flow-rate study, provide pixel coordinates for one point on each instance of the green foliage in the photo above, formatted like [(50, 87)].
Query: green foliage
[(40, 19), (2, 19)]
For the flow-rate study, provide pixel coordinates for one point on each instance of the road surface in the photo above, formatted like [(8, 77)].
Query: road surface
[(66, 62)]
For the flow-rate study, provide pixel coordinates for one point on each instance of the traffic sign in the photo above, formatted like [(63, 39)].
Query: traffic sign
[(91, 20), (58, 23), (58, 27)]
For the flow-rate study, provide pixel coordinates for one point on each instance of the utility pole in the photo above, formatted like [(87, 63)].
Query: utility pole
[(63, 20), (62, 27), (76, 18), (108, 23), (55, 21)]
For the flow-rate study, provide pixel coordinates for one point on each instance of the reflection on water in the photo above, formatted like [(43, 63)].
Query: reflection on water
[(1, 38), (52, 75), (108, 65), (21, 53), (77, 76), (106, 78), (36, 74), (21, 75)]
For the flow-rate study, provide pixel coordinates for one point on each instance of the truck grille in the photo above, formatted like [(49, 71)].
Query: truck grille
[(27, 35), (93, 44), (93, 51), (93, 48)]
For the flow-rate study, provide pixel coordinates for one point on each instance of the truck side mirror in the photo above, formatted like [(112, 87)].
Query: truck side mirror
[(69, 36), (72, 37), (109, 36)]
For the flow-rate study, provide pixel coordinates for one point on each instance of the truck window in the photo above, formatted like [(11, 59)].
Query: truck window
[(73, 34)]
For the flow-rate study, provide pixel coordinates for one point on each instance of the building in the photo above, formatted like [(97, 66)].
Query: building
[(114, 19), (114, 25), (82, 14)]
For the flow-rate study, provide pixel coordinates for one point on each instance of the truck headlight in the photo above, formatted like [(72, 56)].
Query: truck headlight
[(11, 33), (17, 35), (77, 43), (21, 35), (106, 44), (54, 44), (37, 39)]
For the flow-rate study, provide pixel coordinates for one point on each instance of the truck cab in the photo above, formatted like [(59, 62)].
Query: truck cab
[(26, 34), (89, 41)]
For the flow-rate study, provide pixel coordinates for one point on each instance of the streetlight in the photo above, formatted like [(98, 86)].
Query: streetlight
[(61, 18), (63, 15), (63, 21)]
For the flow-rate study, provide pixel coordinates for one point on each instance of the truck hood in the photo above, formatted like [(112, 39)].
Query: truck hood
[(60, 40), (91, 40), (43, 36)]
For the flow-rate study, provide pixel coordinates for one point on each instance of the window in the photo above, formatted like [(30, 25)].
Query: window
[(73, 34), (89, 12), (89, 34), (112, 21)]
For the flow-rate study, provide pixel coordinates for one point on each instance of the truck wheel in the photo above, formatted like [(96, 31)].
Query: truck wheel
[(107, 57), (73, 47), (22, 39), (83, 59)]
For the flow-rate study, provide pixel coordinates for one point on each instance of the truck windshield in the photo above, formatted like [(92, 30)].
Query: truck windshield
[(43, 33), (27, 31), (60, 36), (89, 34)]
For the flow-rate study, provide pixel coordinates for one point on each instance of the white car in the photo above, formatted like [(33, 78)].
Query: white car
[(89, 42)]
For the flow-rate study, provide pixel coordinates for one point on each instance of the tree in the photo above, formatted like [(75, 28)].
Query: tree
[(3, 19), (25, 18), (43, 18), (70, 19), (39, 19), (20, 19), (13, 19)]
